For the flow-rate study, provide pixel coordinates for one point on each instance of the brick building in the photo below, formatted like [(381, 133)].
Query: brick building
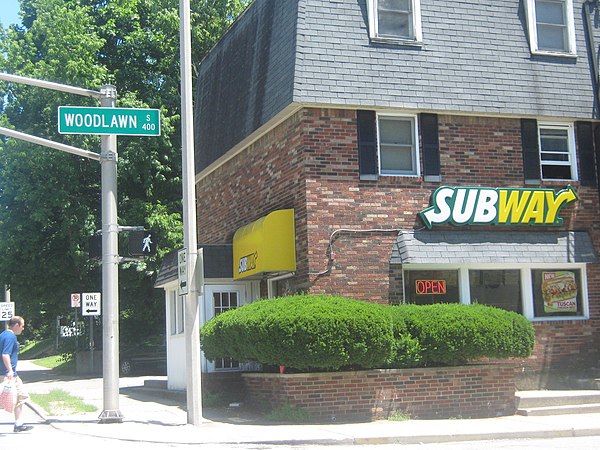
[(429, 150)]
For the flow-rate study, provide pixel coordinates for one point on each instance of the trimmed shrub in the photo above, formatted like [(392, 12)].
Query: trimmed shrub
[(308, 332), (452, 334), (302, 332)]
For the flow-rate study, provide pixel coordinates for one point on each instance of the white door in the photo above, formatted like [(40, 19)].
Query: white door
[(217, 299)]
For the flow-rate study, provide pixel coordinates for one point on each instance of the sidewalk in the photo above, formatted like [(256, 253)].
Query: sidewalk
[(150, 418)]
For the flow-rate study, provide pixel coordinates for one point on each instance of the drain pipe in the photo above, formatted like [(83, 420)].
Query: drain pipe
[(590, 7)]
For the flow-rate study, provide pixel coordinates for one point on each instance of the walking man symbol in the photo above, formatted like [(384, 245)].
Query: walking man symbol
[(147, 241)]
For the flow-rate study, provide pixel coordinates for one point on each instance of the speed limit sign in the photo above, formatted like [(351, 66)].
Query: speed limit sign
[(7, 310)]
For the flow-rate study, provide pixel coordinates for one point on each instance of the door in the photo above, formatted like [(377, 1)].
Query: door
[(217, 299)]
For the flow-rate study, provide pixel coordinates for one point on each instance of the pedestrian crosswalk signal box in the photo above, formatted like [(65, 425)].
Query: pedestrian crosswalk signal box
[(142, 243)]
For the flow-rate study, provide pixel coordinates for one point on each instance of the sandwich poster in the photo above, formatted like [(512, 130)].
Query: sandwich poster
[(559, 291)]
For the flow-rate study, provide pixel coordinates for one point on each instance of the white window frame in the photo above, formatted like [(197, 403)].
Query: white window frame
[(572, 163), (530, 12), (417, 32), (176, 312), (526, 284), (416, 156)]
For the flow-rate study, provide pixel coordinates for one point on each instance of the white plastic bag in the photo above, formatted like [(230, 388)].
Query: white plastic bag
[(8, 395)]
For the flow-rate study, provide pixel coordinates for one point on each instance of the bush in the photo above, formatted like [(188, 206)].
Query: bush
[(328, 333), (452, 334), (302, 332)]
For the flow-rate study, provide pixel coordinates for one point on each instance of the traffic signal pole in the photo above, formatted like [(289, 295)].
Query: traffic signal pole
[(110, 230)]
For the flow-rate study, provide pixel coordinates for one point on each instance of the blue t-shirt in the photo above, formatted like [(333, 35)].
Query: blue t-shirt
[(9, 346)]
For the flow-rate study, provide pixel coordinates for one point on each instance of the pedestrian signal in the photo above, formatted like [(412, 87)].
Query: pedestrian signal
[(142, 243)]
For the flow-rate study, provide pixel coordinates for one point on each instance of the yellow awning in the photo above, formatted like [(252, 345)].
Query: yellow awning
[(266, 245)]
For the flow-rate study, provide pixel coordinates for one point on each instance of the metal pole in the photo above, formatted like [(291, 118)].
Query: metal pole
[(192, 312), (110, 270)]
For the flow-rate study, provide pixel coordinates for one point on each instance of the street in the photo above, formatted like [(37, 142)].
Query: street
[(47, 437)]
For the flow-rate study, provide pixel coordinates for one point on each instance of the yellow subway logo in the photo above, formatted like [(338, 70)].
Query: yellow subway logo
[(487, 206)]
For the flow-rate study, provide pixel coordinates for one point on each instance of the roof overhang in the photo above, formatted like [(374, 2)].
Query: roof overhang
[(462, 247)]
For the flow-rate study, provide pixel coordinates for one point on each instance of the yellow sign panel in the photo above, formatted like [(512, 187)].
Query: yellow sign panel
[(266, 245)]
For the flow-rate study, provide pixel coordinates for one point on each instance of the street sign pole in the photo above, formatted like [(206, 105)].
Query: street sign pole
[(110, 269), (192, 304)]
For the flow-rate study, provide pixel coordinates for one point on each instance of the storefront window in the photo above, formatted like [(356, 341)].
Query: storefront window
[(557, 292), (427, 287), (499, 288)]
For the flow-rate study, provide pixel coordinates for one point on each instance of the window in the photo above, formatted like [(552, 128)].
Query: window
[(397, 143), (499, 288), (557, 152), (541, 292), (551, 26), (557, 292), (395, 20), (427, 287), (176, 312)]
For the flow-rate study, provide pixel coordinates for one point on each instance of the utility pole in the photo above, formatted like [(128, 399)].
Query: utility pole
[(110, 269), (192, 305)]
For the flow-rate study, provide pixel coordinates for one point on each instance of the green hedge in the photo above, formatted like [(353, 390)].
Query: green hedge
[(322, 332), (452, 334), (302, 332)]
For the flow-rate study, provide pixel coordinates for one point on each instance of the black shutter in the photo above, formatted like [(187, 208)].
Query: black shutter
[(367, 144), (431, 147), (531, 151), (585, 149)]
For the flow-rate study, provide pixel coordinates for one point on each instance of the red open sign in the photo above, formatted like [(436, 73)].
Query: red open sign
[(430, 287)]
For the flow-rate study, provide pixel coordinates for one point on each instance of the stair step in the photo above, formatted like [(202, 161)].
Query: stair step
[(539, 399), (557, 410)]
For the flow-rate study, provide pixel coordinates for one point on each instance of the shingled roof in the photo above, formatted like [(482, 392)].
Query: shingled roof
[(460, 247)]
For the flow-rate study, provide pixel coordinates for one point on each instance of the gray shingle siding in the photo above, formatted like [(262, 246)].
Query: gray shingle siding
[(246, 79), (475, 58)]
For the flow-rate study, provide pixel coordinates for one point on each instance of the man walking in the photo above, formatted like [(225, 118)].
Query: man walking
[(9, 346)]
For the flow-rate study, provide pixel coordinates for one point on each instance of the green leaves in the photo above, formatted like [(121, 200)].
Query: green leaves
[(50, 201), (319, 332)]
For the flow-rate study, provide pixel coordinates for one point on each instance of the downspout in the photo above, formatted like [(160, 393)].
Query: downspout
[(591, 7)]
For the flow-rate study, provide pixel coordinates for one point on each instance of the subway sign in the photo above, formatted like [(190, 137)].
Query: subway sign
[(501, 206)]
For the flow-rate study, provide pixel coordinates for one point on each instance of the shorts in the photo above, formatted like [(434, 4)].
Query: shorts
[(22, 395)]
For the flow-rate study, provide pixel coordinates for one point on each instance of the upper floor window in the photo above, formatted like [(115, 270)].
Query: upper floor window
[(398, 145), (557, 152), (551, 26), (395, 20)]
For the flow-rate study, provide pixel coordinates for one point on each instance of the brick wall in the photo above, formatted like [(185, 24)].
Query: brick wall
[(310, 163), (469, 391)]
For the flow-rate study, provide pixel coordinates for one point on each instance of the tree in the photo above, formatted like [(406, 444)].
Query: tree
[(50, 201)]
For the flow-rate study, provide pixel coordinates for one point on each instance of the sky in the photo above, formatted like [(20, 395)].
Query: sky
[(9, 12)]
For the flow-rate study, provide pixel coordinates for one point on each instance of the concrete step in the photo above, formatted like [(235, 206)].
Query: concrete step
[(538, 399), (587, 408)]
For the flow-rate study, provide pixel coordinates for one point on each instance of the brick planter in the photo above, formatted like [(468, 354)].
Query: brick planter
[(425, 393)]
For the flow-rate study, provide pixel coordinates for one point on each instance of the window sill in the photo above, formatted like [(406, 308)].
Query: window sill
[(397, 42), (554, 54)]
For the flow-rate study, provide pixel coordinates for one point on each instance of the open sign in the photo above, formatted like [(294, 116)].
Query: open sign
[(430, 287)]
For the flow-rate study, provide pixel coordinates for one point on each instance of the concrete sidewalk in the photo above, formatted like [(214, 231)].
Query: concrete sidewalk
[(150, 418)]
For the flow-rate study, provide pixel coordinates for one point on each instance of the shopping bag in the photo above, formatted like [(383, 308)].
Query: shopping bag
[(8, 396)]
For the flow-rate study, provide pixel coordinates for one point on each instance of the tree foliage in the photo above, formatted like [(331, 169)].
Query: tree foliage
[(50, 201)]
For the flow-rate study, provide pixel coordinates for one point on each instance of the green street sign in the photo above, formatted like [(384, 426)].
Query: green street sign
[(120, 121)]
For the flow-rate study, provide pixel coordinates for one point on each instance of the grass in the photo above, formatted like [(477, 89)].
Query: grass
[(59, 402), (56, 362), (398, 416), (287, 413)]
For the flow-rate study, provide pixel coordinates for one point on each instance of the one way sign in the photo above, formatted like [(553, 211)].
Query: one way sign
[(90, 304)]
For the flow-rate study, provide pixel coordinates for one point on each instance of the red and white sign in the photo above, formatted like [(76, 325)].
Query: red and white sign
[(75, 300)]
